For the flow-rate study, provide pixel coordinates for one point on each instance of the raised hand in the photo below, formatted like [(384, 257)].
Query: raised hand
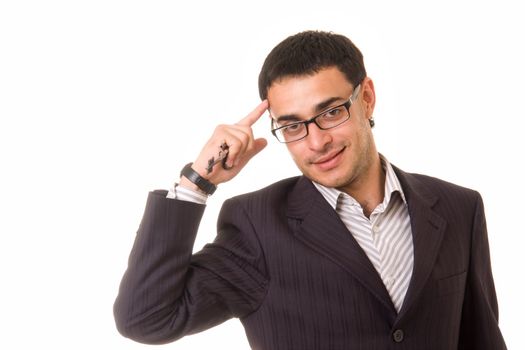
[(234, 143)]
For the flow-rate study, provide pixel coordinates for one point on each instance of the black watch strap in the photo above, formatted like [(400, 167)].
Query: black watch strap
[(198, 180)]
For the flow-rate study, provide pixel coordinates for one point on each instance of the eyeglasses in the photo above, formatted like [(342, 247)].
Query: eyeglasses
[(335, 116)]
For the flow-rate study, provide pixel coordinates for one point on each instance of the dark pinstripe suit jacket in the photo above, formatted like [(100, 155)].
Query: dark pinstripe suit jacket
[(285, 264)]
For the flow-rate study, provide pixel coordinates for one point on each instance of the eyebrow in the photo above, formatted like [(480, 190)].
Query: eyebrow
[(320, 107)]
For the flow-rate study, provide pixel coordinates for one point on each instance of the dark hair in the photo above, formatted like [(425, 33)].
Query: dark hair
[(307, 53)]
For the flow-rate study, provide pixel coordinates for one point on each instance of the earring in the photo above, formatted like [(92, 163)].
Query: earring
[(372, 122)]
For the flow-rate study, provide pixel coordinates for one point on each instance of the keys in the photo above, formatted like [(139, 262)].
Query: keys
[(223, 156)]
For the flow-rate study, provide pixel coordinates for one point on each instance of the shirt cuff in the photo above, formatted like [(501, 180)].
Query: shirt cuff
[(185, 194)]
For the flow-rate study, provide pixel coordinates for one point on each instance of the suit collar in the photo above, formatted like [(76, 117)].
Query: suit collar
[(320, 228), (414, 189), (391, 186)]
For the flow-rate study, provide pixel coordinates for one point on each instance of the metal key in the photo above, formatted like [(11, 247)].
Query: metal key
[(223, 156)]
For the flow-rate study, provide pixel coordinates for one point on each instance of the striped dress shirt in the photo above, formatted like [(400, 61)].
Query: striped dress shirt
[(385, 237)]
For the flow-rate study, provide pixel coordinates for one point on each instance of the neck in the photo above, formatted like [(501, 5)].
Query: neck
[(369, 189)]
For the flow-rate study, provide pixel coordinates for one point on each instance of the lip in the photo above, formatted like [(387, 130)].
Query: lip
[(329, 161)]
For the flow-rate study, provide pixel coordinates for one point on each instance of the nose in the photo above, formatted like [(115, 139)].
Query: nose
[(317, 139)]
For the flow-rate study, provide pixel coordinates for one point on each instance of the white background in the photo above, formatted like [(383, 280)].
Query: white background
[(103, 101)]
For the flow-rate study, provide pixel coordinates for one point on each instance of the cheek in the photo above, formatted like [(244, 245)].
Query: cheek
[(345, 136), (298, 154)]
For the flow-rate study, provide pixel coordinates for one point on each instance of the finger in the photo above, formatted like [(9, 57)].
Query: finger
[(237, 138), (236, 150), (233, 134), (254, 115), (244, 135), (237, 155), (258, 146)]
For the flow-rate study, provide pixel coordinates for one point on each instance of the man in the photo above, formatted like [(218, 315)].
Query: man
[(354, 254)]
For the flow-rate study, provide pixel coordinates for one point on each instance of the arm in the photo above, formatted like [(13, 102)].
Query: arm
[(479, 324), (165, 292), (157, 265)]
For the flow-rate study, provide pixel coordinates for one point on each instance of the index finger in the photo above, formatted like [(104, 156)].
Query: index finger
[(254, 115)]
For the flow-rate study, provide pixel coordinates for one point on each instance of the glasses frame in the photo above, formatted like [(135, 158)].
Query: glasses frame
[(346, 104)]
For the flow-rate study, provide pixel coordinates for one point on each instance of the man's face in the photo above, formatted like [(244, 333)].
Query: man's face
[(339, 157)]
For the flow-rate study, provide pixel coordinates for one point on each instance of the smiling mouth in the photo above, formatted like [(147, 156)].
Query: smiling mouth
[(328, 158)]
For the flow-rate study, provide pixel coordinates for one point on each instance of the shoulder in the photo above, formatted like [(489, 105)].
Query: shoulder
[(266, 202), (434, 188), (259, 207), (276, 192), (440, 185)]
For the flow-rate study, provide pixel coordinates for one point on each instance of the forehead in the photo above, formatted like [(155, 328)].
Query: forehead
[(300, 94)]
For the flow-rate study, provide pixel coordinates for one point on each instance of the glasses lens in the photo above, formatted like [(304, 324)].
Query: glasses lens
[(333, 117), (292, 132)]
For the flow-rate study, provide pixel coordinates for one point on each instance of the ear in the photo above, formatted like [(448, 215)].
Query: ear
[(369, 97)]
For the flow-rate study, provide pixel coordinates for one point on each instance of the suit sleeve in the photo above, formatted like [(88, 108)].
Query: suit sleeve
[(166, 292), (479, 324)]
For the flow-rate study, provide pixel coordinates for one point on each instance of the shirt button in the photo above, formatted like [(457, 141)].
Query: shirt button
[(375, 229), (398, 335)]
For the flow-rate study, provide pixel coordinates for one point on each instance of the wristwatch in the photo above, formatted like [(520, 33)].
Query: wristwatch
[(205, 186)]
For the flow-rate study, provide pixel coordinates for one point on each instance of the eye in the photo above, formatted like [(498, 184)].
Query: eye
[(292, 129), (333, 113)]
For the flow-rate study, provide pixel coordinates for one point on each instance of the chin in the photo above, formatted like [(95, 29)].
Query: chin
[(328, 179)]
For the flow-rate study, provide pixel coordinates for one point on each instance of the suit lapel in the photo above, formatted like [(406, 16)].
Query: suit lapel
[(427, 232), (317, 225)]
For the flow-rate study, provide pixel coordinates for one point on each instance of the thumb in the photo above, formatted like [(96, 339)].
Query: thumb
[(258, 145)]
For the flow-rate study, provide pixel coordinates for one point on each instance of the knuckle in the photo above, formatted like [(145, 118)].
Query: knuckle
[(245, 138), (221, 128)]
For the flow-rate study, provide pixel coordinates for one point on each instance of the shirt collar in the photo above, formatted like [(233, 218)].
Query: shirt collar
[(331, 195)]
